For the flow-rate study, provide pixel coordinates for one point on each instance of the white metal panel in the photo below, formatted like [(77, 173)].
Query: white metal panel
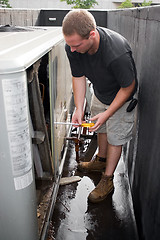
[(19, 50)]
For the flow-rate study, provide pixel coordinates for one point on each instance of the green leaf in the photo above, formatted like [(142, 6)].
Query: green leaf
[(84, 4)]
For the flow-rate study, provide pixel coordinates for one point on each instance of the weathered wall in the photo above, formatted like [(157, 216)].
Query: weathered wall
[(42, 17), (142, 28), (19, 17)]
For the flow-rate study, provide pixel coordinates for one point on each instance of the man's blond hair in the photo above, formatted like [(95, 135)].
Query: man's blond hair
[(78, 21)]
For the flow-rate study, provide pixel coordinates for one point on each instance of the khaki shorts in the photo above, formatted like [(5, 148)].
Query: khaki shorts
[(119, 126)]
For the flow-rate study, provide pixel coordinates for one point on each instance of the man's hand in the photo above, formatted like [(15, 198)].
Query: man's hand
[(77, 117), (100, 119)]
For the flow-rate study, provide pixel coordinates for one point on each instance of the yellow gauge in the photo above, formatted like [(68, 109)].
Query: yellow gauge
[(87, 125)]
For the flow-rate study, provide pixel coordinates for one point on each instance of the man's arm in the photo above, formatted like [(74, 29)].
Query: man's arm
[(79, 91), (121, 97)]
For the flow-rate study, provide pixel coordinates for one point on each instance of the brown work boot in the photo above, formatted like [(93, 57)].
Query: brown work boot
[(96, 164), (104, 187)]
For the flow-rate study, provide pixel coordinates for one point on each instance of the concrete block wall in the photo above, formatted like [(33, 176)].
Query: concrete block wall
[(19, 17), (141, 26)]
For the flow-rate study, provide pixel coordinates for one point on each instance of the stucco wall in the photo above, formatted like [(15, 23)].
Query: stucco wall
[(141, 27), (19, 17)]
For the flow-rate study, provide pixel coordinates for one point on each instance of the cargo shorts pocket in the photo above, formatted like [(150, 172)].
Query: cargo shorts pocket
[(120, 126)]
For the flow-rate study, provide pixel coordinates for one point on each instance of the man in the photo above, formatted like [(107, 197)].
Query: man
[(105, 58)]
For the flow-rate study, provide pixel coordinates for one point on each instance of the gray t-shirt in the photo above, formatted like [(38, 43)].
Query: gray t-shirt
[(109, 69)]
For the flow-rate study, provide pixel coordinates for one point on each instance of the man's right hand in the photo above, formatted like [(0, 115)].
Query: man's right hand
[(78, 117)]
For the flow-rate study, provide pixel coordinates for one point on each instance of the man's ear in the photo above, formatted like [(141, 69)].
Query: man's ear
[(92, 34)]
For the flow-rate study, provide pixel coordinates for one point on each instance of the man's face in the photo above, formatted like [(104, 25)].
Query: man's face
[(79, 44)]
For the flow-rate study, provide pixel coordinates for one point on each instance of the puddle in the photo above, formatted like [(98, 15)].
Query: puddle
[(74, 224), (74, 218)]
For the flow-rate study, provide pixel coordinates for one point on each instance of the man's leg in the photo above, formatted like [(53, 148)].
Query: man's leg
[(119, 131), (102, 144), (98, 162), (113, 156), (105, 186)]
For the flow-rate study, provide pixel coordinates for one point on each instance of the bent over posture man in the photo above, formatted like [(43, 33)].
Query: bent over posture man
[(105, 58)]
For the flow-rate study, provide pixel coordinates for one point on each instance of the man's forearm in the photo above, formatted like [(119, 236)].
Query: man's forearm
[(79, 90), (121, 97)]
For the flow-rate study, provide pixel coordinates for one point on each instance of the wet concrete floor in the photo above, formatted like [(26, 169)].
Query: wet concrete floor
[(74, 218)]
